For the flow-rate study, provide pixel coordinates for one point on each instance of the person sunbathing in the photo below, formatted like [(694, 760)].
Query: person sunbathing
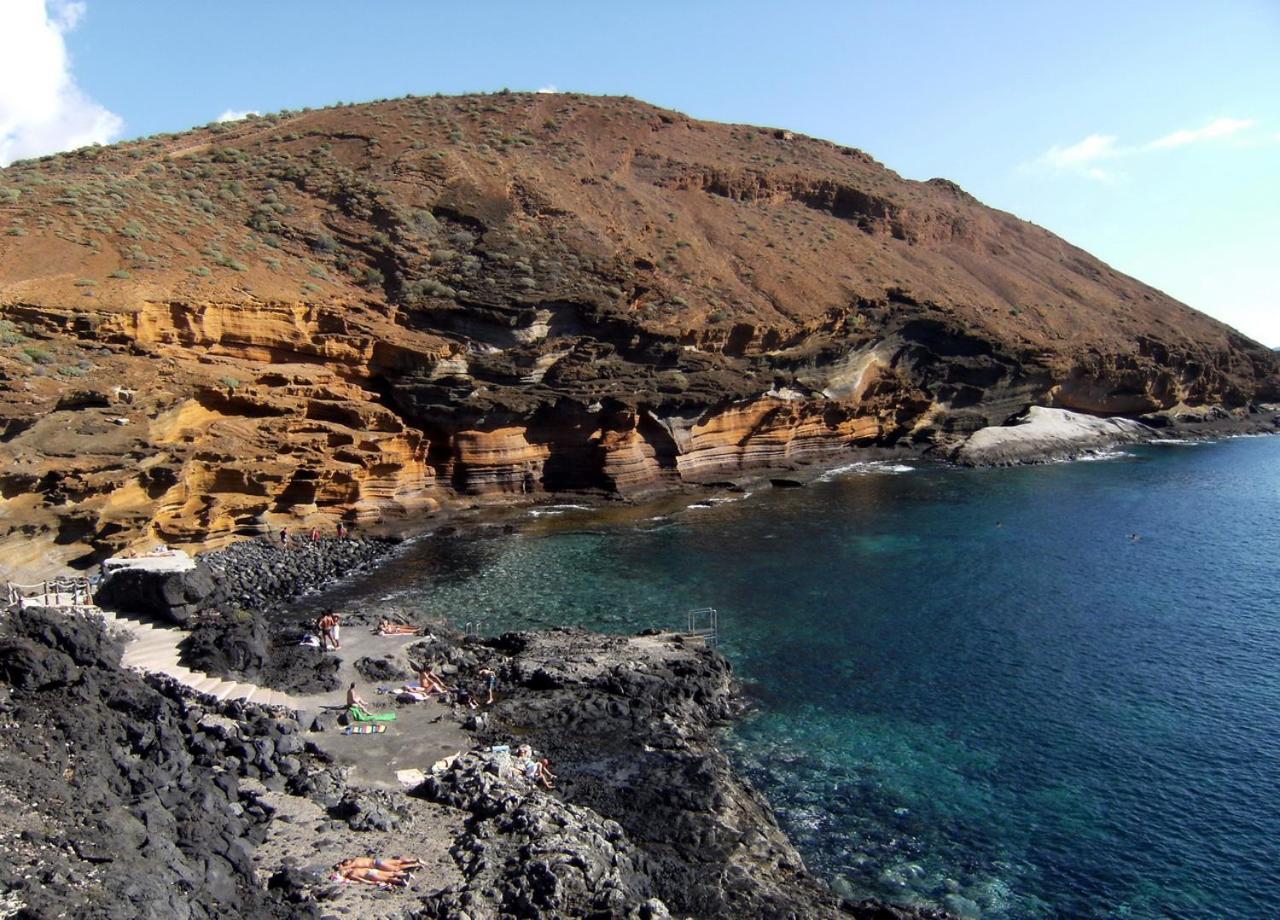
[(390, 864), (380, 877), (392, 628), (429, 682)]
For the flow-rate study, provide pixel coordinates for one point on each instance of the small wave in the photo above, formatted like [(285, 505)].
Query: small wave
[(568, 507), (1104, 455), (544, 512), (865, 467)]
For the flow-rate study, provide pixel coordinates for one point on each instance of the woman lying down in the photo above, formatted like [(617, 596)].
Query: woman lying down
[(392, 872)]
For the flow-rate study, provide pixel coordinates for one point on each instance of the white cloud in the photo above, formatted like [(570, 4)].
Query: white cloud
[(1083, 157), (549, 88), (1094, 147), (236, 115), (42, 110), (1219, 127)]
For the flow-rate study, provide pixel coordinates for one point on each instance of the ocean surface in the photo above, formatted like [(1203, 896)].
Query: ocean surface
[(1041, 692)]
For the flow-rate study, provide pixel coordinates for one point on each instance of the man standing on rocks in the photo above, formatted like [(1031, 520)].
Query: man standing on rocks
[(328, 626)]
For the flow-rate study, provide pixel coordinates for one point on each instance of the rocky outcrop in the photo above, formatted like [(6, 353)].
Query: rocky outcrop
[(371, 312), (121, 798), (629, 724), (172, 596), (1047, 435)]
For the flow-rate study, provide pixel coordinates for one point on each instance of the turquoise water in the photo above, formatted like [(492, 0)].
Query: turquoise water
[(970, 688)]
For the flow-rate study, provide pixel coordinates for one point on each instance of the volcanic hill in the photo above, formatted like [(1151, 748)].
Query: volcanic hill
[(368, 310)]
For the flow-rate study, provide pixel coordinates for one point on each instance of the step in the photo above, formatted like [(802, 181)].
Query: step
[(226, 691), (150, 645), (252, 693), (204, 684), (178, 673), (161, 658)]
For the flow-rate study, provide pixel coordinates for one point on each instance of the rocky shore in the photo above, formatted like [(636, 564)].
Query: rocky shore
[(132, 797)]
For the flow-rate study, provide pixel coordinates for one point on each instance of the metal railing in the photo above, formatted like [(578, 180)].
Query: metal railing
[(704, 623)]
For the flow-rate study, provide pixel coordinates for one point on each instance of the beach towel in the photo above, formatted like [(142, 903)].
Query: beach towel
[(359, 715), (365, 729)]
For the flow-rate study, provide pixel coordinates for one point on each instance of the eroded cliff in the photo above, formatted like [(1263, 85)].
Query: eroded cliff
[(367, 311)]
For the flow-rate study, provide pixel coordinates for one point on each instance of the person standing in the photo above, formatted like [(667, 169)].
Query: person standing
[(324, 626), (490, 678), (335, 628)]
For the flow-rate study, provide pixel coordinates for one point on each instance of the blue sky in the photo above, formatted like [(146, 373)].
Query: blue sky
[(1146, 132)]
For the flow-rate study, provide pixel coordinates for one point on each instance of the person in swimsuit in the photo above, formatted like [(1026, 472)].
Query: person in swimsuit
[(490, 679), (327, 626), (428, 681), (539, 771), (390, 864), (355, 699), (392, 628)]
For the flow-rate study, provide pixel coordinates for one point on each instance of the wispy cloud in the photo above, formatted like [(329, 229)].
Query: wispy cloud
[(42, 110), (236, 115), (1219, 127), (1087, 157), (549, 88)]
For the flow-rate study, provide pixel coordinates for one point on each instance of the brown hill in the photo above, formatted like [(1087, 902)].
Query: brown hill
[(368, 309)]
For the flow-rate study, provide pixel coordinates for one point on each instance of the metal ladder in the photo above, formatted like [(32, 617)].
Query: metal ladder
[(704, 624)]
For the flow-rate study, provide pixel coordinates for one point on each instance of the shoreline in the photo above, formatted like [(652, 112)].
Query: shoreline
[(554, 676)]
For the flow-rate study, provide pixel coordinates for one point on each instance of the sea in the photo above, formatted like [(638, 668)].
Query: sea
[(1047, 691)]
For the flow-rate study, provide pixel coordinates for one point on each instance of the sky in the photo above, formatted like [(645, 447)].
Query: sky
[(1146, 132)]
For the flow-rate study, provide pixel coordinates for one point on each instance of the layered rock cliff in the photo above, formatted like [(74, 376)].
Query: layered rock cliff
[(367, 311)]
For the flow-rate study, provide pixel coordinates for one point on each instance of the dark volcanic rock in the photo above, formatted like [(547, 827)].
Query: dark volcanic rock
[(257, 574), (528, 854), (379, 670), (172, 596), (124, 812), (239, 646), (630, 724)]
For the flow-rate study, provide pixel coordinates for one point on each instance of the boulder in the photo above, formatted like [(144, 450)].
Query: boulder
[(171, 596)]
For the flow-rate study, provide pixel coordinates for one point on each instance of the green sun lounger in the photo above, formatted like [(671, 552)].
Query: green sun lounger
[(359, 715)]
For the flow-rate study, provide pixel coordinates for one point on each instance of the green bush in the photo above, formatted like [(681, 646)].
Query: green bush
[(9, 334), (120, 273), (38, 355), (229, 382), (85, 282)]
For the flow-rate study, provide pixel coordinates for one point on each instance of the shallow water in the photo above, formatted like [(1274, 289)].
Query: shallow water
[(971, 687)]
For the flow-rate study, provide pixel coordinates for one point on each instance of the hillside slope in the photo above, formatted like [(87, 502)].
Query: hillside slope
[(365, 310)]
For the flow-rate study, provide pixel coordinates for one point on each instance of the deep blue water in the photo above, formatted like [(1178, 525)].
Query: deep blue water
[(970, 687)]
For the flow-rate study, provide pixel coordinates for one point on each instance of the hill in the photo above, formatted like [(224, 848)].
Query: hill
[(368, 310)]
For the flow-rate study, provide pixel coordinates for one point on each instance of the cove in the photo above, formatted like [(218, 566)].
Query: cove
[(969, 688)]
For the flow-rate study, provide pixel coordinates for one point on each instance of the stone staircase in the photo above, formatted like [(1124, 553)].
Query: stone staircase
[(153, 648)]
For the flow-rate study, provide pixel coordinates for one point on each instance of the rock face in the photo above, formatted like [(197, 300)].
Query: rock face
[(365, 312), (171, 596), (629, 724), (116, 799)]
